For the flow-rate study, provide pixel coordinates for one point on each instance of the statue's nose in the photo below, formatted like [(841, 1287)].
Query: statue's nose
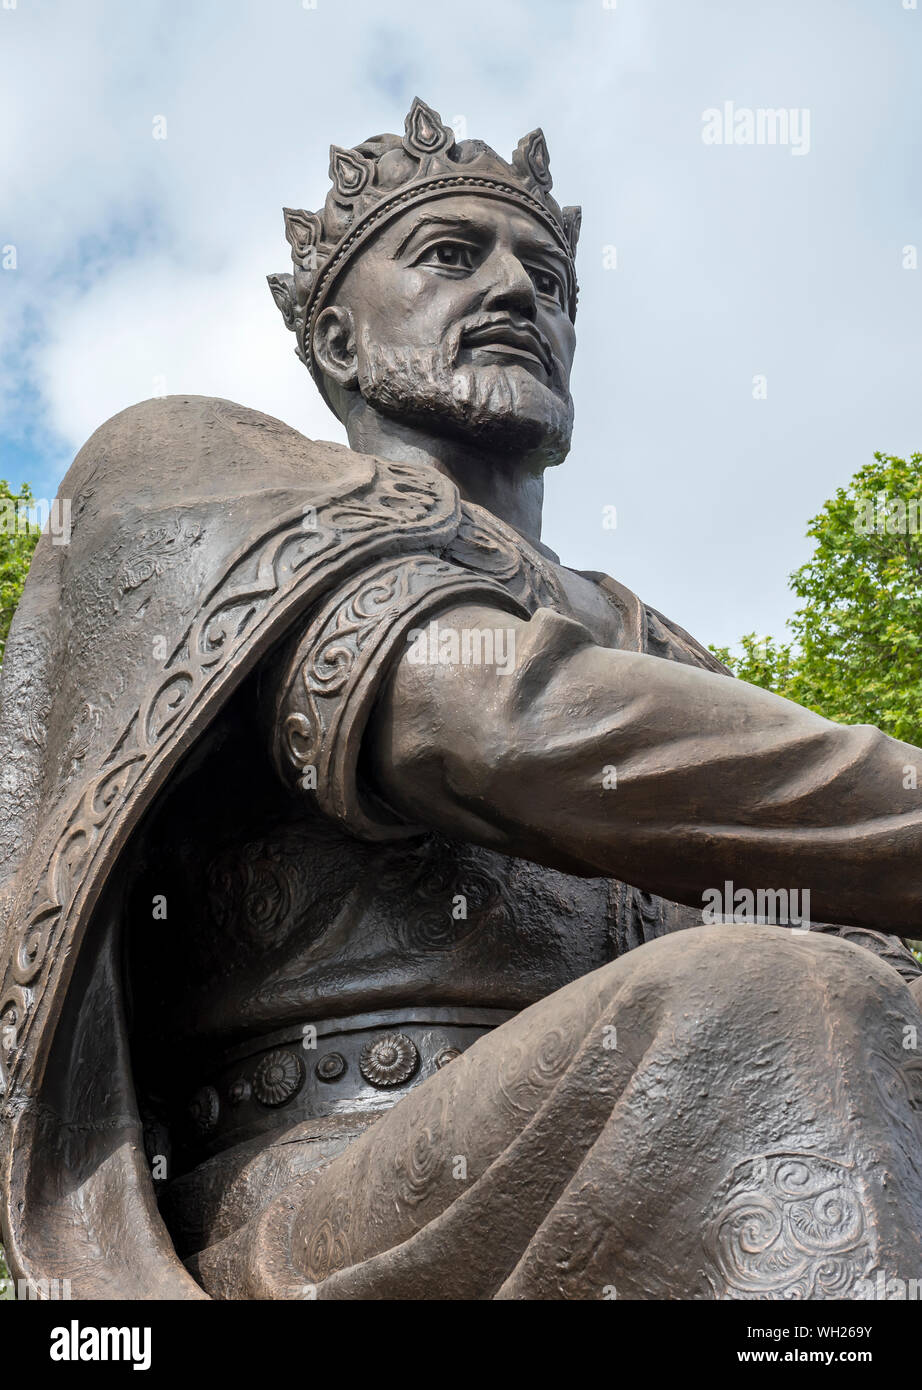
[(510, 285)]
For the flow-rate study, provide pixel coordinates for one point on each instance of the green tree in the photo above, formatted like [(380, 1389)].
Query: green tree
[(856, 648), (18, 539)]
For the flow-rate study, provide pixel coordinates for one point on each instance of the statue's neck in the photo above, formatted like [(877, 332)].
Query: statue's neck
[(509, 488)]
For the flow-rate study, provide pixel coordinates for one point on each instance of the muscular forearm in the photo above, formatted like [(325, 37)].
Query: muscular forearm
[(669, 777)]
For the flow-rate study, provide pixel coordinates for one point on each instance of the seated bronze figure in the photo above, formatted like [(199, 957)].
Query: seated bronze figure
[(354, 850)]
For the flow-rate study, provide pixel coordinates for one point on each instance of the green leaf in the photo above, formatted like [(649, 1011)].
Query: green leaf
[(854, 648)]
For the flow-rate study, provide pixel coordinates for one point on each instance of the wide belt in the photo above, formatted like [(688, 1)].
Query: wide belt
[(342, 1065)]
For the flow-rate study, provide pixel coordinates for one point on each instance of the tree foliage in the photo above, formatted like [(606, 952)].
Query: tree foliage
[(19, 535), (855, 653)]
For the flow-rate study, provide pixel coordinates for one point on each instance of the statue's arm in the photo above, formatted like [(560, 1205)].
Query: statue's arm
[(605, 762)]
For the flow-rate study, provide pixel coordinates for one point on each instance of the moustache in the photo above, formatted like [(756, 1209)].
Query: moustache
[(485, 330)]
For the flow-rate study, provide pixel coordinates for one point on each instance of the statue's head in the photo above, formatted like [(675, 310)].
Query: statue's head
[(437, 287)]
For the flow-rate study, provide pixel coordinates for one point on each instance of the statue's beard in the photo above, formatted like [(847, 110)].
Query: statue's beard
[(499, 407)]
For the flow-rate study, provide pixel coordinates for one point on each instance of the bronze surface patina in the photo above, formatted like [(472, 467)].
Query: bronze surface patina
[(354, 850)]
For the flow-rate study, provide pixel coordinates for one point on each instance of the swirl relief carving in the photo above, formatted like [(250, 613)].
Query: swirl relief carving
[(789, 1225)]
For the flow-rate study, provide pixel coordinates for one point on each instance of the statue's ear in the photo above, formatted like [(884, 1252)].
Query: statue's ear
[(334, 345), (283, 292)]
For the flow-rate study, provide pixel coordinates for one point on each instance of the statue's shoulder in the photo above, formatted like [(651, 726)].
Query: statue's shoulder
[(204, 445)]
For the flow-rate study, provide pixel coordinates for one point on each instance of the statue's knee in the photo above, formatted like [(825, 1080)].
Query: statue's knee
[(733, 967), (716, 951)]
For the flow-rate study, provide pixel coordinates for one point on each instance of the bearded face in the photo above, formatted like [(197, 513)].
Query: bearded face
[(454, 321)]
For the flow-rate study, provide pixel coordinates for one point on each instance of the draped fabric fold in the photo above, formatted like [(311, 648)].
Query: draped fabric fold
[(201, 533)]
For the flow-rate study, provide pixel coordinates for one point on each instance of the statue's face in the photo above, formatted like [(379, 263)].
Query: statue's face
[(454, 319)]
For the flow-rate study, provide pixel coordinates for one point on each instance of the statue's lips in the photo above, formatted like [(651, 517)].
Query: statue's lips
[(507, 339)]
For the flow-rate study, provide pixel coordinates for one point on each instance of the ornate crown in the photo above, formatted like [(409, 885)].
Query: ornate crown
[(380, 179)]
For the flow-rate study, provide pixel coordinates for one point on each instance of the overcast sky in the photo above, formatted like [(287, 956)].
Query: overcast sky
[(140, 262)]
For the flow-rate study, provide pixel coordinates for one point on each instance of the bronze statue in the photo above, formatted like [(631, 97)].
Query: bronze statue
[(355, 850)]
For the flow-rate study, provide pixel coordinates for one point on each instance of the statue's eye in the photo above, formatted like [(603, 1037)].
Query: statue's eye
[(454, 255), (547, 283)]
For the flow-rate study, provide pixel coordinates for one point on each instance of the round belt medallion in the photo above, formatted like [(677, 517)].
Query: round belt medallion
[(278, 1077), (389, 1060)]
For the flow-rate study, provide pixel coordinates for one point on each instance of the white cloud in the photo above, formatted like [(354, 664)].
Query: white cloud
[(151, 328)]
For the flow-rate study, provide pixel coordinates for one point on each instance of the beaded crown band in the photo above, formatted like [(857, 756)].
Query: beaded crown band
[(384, 176)]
